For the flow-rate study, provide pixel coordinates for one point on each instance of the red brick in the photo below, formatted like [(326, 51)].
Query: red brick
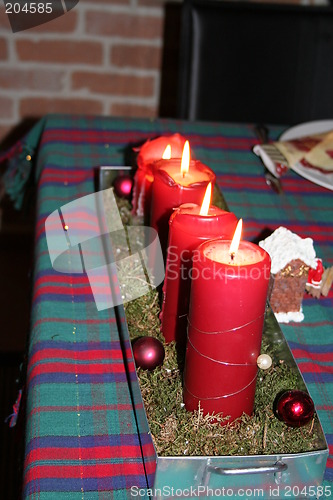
[(4, 21), (3, 49), (31, 79), (63, 24), (133, 110), (34, 106), (60, 51), (124, 85), (124, 25), (6, 107), (139, 56)]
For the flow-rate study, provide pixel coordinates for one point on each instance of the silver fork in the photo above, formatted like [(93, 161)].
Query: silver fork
[(262, 134)]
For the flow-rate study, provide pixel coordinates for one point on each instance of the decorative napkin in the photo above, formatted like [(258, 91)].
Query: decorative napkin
[(312, 151)]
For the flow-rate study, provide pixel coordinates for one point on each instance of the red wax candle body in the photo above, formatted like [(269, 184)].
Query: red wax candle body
[(171, 189), (226, 316), (149, 153), (187, 229)]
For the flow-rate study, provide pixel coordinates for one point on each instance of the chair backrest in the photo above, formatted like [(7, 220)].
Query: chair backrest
[(255, 62)]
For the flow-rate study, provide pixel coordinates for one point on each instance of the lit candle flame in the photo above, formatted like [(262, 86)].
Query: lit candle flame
[(206, 201), (236, 239), (185, 164), (167, 153)]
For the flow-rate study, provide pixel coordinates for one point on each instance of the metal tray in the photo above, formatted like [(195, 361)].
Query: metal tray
[(297, 475)]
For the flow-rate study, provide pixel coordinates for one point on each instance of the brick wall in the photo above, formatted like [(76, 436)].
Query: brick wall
[(102, 57)]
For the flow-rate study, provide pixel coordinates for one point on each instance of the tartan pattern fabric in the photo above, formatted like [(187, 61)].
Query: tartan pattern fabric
[(81, 434)]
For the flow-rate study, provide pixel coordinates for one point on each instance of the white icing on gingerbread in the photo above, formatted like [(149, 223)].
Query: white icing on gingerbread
[(284, 246)]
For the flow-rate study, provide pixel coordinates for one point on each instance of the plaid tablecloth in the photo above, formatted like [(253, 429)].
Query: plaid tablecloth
[(81, 434)]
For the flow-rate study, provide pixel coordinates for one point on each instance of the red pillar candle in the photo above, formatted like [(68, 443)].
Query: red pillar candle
[(187, 229), (149, 153), (173, 188), (226, 316)]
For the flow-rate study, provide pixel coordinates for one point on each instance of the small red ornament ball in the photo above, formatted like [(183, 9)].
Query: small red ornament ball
[(148, 353), (295, 408), (123, 186)]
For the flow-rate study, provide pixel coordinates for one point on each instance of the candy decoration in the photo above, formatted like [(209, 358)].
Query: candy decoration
[(148, 353), (264, 361), (295, 408), (123, 186)]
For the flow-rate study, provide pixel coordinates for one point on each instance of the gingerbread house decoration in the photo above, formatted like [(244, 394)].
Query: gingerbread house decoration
[(292, 257)]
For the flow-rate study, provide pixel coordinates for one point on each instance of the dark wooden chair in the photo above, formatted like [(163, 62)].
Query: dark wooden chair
[(255, 62)]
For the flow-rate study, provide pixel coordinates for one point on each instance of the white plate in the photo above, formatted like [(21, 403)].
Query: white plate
[(310, 128)]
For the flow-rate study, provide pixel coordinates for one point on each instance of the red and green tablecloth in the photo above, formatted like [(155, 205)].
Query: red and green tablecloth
[(81, 434)]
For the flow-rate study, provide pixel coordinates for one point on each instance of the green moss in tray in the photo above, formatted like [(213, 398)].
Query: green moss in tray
[(177, 432)]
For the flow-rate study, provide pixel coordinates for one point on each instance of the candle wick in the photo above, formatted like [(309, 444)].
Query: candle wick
[(183, 175), (232, 255)]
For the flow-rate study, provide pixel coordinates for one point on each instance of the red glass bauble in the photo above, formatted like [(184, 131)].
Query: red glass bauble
[(295, 408), (148, 353), (123, 186)]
